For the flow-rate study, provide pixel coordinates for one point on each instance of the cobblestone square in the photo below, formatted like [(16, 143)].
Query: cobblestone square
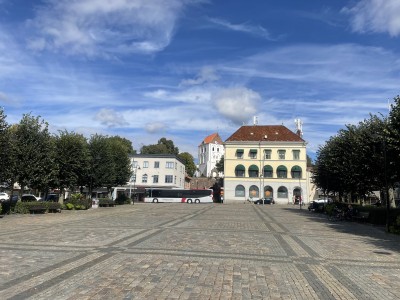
[(206, 251)]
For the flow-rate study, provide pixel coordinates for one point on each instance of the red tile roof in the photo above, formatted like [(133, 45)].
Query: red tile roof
[(213, 138), (270, 133)]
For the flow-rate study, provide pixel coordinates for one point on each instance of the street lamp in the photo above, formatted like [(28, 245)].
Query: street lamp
[(133, 178)]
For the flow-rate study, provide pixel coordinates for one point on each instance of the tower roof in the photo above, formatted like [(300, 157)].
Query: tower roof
[(212, 138)]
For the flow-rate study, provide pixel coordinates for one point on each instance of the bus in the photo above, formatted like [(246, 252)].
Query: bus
[(178, 195)]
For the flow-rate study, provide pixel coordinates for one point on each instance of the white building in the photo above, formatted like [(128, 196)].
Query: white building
[(210, 152), (153, 170)]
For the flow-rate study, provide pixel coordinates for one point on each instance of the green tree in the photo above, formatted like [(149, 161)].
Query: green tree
[(35, 154), (220, 165), (121, 148), (102, 165), (73, 159), (6, 161), (163, 146), (392, 140), (350, 163), (189, 163)]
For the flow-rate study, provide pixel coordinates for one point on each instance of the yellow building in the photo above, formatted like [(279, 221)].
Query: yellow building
[(265, 161)]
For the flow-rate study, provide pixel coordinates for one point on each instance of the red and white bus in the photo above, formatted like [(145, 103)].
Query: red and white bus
[(178, 195)]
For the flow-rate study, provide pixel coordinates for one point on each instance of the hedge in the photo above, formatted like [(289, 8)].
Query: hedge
[(23, 207)]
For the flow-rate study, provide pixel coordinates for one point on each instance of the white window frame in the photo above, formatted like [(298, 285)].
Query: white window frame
[(267, 154), (169, 178), (144, 178), (282, 154), (155, 178)]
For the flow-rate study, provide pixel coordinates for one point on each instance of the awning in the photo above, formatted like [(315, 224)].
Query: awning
[(281, 168), (253, 150), (296, 169), (240, 168), (239, 151), (253, 168), (268, 168)]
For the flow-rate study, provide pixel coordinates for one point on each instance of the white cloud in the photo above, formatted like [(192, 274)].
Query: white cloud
[(375, 16), (237, 104), (4, 98), (156, 127), (102, 27), (110, 118), (244, 27), (158, 94), (206, 74), (351, 66), (192, 95)]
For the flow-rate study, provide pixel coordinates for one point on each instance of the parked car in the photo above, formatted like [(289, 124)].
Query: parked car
[(51, 198), (268, 200), (29, 198), (4, 197)]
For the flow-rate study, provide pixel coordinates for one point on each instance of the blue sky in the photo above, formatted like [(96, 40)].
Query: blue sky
[(184, 69)]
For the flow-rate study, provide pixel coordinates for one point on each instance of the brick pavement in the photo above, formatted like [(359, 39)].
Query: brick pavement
[(206, 251)]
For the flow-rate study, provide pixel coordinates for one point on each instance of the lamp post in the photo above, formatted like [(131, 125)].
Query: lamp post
[(133, 178), (301, 198)]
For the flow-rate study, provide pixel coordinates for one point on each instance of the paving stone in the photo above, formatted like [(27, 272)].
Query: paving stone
[(179, 251)]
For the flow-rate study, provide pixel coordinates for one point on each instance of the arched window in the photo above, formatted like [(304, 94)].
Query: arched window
[(268, 192), (253, 171), (240, 171), (268, 172), (296, 172), (240, 191), (282, 192), (281, 172), (254, 192)]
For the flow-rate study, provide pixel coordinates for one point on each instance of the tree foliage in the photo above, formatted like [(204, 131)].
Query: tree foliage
[(220, 165), (163, 146), (353, 162), (73, 159), (121, 148), (102, 164), (6, 161), (39, 161), (189, 163), (34, 154)]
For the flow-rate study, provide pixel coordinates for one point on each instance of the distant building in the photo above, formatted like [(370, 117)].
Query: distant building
[(157, 170), (210, 152), (265, 161), (153, 170)]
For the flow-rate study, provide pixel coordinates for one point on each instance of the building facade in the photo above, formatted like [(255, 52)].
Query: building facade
[(152, 170), (210, 152), (157, 170), (265, 161)]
